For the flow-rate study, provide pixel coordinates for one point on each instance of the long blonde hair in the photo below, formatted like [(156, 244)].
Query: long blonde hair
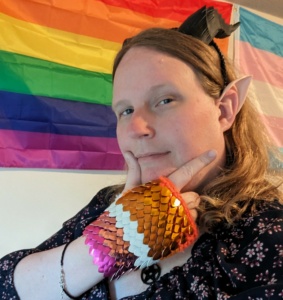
[(243, 181)]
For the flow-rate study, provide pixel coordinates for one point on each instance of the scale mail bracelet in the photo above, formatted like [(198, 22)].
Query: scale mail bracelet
[(146, 224)]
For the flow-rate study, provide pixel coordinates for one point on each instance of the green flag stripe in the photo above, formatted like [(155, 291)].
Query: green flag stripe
[(27, 75)]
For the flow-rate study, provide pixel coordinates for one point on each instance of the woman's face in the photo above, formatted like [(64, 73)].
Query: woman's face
[(165, 118)]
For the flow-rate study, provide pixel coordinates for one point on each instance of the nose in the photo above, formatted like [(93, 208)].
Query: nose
[(141, 124)]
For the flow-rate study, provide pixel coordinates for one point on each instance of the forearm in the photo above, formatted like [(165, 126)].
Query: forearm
[(37, 276)]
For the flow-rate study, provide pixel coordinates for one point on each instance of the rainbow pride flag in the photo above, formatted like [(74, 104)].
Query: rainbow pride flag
[(55, 79), (259, 52)]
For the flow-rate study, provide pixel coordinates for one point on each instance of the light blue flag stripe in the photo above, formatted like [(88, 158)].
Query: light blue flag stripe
[(261, 33)]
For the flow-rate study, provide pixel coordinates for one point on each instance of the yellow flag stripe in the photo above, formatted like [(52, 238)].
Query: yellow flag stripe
[(57, 46)]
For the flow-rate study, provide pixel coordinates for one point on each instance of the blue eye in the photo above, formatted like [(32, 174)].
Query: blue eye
[(127, 111), (165, 101)]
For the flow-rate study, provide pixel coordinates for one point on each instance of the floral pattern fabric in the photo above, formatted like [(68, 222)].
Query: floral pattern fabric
[(243, 262)]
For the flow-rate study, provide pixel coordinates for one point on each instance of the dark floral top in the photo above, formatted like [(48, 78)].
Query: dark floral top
[(245, 262)]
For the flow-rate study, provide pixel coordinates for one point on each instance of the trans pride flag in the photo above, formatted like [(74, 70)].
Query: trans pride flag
[(259, 52), (55, 76)]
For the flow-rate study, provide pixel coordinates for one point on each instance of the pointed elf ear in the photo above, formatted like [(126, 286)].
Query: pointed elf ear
[(242, 85)]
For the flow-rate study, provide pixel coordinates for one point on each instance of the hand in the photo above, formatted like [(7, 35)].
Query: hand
[(134, 172), (180, 178), (135, 240)]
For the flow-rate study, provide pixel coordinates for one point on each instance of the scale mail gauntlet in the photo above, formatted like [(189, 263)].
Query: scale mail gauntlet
[(146, 224)]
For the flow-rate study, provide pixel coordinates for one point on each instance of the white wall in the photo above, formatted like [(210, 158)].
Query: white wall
[(34, 203)]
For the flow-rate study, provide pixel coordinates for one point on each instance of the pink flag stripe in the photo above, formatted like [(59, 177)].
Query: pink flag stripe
[(264, 66), (275, 128), (46, 150)]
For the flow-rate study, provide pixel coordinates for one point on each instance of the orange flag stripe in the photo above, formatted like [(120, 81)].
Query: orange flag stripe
[(99, 19), (96, 22)]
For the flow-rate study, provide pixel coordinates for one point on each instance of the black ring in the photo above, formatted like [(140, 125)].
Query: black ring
[(150, 274)]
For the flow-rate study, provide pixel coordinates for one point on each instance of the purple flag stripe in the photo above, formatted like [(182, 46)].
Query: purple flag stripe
[(47, 150), (48, 115)]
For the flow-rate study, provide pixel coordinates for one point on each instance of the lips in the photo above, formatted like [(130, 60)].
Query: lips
[(150, 156)]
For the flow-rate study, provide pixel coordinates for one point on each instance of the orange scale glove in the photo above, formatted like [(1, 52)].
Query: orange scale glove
[(146, 224)]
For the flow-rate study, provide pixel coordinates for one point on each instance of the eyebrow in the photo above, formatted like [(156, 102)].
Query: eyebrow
[(117, 105), (153, 89)]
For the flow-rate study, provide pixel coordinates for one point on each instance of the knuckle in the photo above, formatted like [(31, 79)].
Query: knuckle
[(188, 172)]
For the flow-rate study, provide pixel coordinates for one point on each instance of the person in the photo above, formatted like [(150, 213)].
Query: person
[(183, 115)]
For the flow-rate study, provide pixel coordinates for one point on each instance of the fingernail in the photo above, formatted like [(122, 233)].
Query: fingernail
[(212, 153), (128, 158)]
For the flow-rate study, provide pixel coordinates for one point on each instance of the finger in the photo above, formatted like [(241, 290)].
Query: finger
[(185, 173), (192, 199), (194, 214), (134, 171)]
